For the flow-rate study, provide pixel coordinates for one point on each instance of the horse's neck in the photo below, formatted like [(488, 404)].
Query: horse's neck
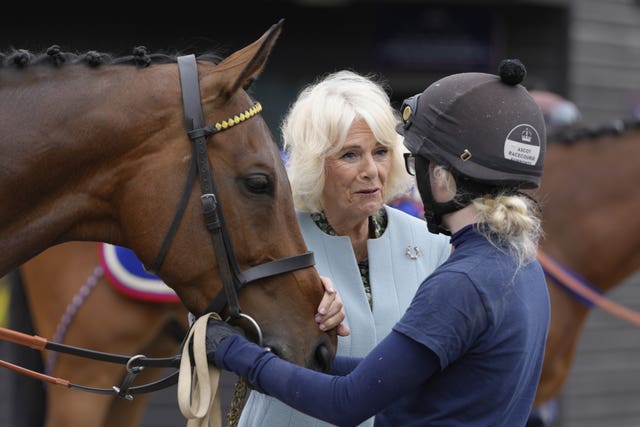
[(61, 148), (590, 203)]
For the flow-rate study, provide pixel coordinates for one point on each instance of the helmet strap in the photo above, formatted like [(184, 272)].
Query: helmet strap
[(467, 190), (434, 211)]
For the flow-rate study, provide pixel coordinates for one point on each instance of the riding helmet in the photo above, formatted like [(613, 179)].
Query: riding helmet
[(484, 127)]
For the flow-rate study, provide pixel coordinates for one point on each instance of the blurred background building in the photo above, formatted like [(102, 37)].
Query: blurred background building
[(587, 51)]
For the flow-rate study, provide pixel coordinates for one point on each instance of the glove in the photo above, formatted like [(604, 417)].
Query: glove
[(217, 330)]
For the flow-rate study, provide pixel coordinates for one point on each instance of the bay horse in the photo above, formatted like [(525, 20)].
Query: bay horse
[(72, 300), (95, 149), (590, 202)]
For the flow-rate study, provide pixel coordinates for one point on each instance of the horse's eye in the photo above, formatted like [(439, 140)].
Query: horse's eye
[(258, 183)]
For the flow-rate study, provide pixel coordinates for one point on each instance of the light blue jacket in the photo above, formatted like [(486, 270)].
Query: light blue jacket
[(395, 272)]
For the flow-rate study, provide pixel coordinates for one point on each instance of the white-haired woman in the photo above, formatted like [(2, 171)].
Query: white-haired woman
[(345, 162)]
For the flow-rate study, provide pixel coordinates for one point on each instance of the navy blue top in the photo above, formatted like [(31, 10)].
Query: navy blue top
[(467, 352)]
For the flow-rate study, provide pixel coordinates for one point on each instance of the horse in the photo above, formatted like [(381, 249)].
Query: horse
[(589, 202), (95, 149), (70, 297)]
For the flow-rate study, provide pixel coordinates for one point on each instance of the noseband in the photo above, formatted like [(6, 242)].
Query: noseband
[(232, 278)]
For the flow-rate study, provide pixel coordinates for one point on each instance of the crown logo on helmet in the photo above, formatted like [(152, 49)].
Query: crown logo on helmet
[(526, 135)]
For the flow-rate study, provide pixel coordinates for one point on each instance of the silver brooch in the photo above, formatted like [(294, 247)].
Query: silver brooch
[(412, 252)]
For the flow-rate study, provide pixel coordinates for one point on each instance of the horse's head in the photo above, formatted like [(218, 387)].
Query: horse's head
[(254, 194)]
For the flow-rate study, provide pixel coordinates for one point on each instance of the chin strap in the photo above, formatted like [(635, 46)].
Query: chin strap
[(467, 191), (434, 211)]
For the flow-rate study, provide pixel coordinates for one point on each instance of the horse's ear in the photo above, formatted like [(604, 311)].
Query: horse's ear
[(244, 66)]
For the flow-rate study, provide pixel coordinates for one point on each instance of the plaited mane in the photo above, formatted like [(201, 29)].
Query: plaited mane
[(55, 57), (572, 134)]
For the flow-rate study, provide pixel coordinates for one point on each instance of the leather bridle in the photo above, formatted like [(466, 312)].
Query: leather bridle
[(231, 276)]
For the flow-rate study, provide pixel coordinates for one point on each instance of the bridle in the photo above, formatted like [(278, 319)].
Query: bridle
[(230, 274), (232, 278)]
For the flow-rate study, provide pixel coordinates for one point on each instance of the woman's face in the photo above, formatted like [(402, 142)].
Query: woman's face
[(356, 176)]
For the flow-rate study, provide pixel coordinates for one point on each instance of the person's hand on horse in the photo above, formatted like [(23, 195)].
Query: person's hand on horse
[(217, 330), (331, 310)]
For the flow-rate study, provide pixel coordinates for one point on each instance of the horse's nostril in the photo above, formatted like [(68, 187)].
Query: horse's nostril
[(275, 351), (323, 358)]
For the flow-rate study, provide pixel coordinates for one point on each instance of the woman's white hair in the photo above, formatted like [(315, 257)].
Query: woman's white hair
[(318, 122)]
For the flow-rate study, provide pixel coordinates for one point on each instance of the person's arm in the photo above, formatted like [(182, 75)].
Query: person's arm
[(343, 365), (393, 368)]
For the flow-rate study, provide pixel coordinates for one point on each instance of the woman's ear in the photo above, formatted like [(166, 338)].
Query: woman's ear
[(438, 175), (443, 183)]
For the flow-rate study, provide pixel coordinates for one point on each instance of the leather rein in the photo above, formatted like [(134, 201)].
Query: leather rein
[(230, 274)]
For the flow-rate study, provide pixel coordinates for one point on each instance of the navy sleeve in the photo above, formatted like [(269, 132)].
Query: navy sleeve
[(342, 365), (394, 367)]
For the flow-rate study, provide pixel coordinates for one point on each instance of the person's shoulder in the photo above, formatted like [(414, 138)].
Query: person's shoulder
[(304, 221), (417, 225), (302, 214), (395, 214)]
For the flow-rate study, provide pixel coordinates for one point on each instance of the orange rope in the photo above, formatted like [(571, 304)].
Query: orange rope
[(34, 342), (16, 337), (34, 374), (584, 291)]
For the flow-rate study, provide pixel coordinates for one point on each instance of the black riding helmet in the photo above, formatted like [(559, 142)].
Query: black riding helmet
[(486, 129)]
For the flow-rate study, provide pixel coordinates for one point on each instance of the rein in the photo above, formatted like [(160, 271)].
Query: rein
[(134, 365), (569, 281)]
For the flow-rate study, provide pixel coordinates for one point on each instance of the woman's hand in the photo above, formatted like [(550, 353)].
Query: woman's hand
[(331, 310), (217, 330)]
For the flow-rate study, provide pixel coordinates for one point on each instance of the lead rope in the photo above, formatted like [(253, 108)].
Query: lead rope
[(197, 402)]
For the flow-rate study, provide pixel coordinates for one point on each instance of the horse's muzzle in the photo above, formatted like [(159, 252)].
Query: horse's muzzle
[(323, 357)]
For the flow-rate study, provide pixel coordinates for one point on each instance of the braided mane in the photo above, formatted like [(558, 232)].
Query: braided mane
[(572, 134), (55, 57)]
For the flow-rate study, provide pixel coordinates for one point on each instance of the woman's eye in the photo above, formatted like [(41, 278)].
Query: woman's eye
[(349, 155), (258, 183), (382, 151)]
